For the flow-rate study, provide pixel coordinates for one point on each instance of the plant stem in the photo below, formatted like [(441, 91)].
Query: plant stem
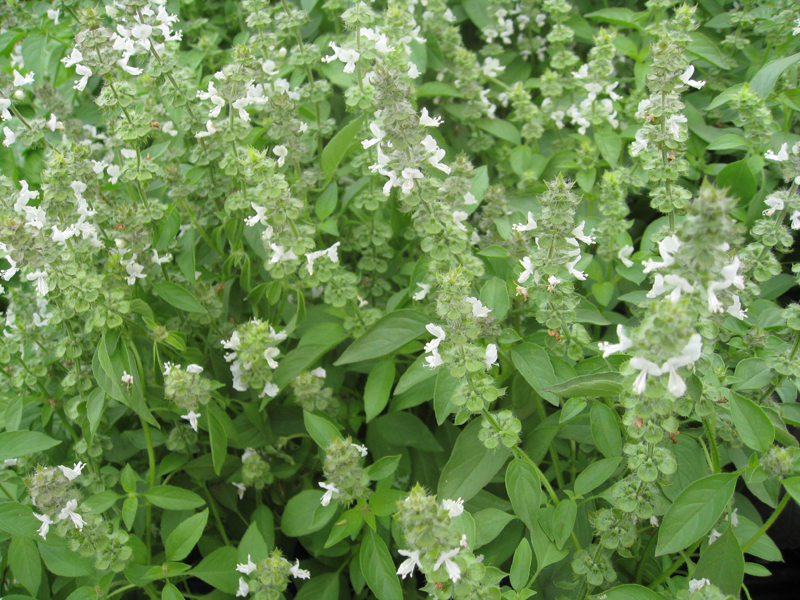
[(711, 434), (643, 560), (151, 480), (768, 524), (215, 512), (673, 567)]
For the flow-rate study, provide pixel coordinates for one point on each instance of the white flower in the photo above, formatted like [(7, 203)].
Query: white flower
[(666, 247), (529, 226), (434, 360), (127, 379), (424, 289), (54, 123), (680, 285), (469, 199), (453, 507), (68, 512), (269, 355), (492, 67), (624, 254), (427, 121), (281, 254), (528, 266), (687, 78), (775, 202), (168, 127), (782, 155), (647, 368), (409, 176), (113, 172), (362, 450), (248, 452), (135, 271), (244, 589), (85, 73), (407, 566), (641, 142), (298, 573), (795, 218), (464, 543), (673, 125), (41, 285), (478, 309), (168, 366), (192, 418), (696, 584), (46, 522), (53, 14), (713, 536), (624, 343), (210, 130), (439, 335), (691, 353), (73, 59), (247, 567), (240, 489), (349, 57), (19, 80), (73, 472), (270, 389), (196, 369), (330, 489), (10, 136), (5, 104), (452, 568), (653, 521), (581, 73), (281, 152), (578, 233), (490, 357), (736, 310)]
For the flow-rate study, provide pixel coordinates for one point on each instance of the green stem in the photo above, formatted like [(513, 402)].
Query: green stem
[(215, 512), (768, 524), (643, 560), (673, 567), (151, 459), (551, 448), (711, 434), (5, 491)]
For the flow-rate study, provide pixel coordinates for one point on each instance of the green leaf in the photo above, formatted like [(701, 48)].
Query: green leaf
[(728, 141), (185, 536), (500, 129), (751, 374), (595, 475), (704, 48), (594, 385), (315, 342), (339, 146), (349, 524), (694, 512), (521, 565), (304, 514), (384, 502), (738, 178), (725, 96), (722, 563), (446, 386), (471, 465), (405, 429), (17, 520), (438, 88), (610, 146), (572, 408), (326, 203), (545, 550), (391, 332), (378, 388), (605, 430), (384, 467), (616, 16), (792, 486), (321, 429), (488, 524), (177, 296), (563, 521), (218, 569), (129, 508), (217, 436), (320, 587), (494, 294), (61, 561), (533, 362), (477, 13), (17, 444), (378, 568), (170, 497), (23, 558), (524, 491), (170, 592), (253, 544), (764, 81), (167, 229), (752, 423), (632, 591)]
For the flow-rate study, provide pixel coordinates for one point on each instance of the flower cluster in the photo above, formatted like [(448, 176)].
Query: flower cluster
[(267, 579), (252, 356)]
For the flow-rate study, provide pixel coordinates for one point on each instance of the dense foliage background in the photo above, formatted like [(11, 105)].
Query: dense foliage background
[(475, 299)]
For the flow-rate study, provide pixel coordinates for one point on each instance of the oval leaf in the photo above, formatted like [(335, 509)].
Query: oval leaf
[(391, 332), (378, 568)]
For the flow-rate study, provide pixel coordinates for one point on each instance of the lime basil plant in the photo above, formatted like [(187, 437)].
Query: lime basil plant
[(333, 299)]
